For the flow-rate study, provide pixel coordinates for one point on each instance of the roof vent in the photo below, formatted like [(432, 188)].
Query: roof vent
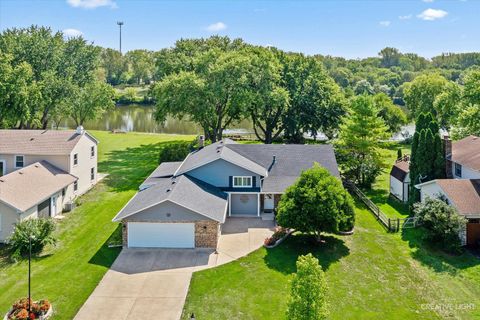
[(20, 172), (168, 190), (32, 138), (1, 180), (80, 130)]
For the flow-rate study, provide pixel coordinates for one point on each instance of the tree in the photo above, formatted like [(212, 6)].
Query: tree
[(114, 64), (316, 203), (364, 87), (393, 116), (467, 121), (442, 223), (308, 293), (41, 232), (316, 102), (91, 102), (359, 142), (421, 93), (390, 57), (142, 65), (215, 95)]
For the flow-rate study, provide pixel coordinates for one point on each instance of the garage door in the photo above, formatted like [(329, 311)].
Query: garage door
[(161, 235)]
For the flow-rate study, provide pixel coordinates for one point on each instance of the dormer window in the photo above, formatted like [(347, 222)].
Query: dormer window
[(242, 182), (19, 161)]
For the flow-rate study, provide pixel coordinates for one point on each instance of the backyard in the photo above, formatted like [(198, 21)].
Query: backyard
[(67, 273)]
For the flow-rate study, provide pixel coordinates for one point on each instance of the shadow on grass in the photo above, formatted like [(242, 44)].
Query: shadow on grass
[(129, 167), (434, 258), (381, 196), (284, 257), (105, 256)]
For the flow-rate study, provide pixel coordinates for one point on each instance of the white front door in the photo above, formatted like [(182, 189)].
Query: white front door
[(268, 203), (53, 211), (161, 235)]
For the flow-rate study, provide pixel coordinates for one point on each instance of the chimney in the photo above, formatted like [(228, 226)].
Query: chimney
[(201, 141), (447, 148), (80, 130)]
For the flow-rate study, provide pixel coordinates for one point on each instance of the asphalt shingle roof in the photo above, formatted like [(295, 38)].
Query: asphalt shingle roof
[(41, 179), (464, 193), (467, 152), (186, 191), (164, 170), (43, 142), (400, 170)]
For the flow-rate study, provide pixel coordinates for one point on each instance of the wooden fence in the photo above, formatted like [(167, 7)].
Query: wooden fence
[(391, 224)]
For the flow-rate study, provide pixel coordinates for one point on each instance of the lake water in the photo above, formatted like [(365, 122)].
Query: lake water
[(141, 118)]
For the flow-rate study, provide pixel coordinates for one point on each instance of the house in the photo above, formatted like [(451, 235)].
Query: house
[(462, 189), (42, 171), (184, 204), (400, 178)]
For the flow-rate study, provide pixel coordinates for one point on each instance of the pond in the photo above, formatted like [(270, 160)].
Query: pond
[(141, 118)]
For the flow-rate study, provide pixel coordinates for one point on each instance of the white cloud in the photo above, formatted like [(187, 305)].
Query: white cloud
[(385, 23), (72, 33), (432, 14), (92, 4), (405, 17), (429, 1), (218, 26)]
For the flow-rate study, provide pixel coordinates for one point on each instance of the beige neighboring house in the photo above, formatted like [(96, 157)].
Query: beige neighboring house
[(42, 172)]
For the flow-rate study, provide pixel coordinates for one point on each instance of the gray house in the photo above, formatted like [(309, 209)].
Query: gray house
[(184, 204)]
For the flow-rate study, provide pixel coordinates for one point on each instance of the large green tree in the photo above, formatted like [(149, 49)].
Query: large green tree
[(467, 121), (308, 299), (316, 203), (393, 115), (142, 65), (358, 145)]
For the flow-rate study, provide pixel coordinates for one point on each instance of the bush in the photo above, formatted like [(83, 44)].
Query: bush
[(442, 223), (316, 203), (176, 151), (41, 231), (277, 235), (309, 288)]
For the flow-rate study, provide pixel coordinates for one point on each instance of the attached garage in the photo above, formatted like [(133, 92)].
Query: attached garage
[(244, 204), (161, 235)]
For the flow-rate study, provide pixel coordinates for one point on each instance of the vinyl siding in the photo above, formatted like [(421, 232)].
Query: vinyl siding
[(467, 173), (158, 213), (85, 163)]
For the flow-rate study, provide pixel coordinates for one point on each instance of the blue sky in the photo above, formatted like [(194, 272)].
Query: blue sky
[(341, 28)]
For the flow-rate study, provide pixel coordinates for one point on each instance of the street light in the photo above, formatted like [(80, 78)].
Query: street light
[(30, 237), (120, 24)]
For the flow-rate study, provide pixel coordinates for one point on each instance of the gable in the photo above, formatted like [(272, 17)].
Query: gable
[(166, 211)]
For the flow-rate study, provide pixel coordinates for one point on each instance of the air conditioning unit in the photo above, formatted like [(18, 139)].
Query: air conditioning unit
[(69, 206)]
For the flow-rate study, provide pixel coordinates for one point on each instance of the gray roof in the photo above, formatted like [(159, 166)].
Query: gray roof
[(164, 170), (291, 160), (217, 151), (185, 191)]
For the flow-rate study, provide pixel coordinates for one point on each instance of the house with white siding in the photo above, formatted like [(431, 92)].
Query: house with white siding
[(42, 172)]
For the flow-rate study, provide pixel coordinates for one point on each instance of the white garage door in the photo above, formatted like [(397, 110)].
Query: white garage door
[(161, 235)]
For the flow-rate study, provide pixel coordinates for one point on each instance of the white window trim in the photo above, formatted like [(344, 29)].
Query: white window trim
[(15, 159), (73, 187), (94, 152), (243, 180), (455, 169), (73, 160)]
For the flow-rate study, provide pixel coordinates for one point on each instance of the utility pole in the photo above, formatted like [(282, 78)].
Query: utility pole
[(120, 24)]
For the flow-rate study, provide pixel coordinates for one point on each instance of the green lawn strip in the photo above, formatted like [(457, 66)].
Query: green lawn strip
[(371, 274), (67, 273)]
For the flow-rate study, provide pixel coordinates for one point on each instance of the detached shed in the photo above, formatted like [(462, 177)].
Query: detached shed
[(400, 179)]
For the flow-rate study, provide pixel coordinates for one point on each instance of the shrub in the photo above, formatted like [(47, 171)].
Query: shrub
[(277, 235), (20, 309), (41, 231), (442, 223), (316, 203), (176, 151), (309, 288)]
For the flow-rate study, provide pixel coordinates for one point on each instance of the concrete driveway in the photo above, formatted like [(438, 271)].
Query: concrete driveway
[(145, 283)]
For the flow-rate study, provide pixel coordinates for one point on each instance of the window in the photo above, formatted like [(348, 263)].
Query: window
[(75, 159), (92, 174), (92, 151), (63, 192), (75, 186), (19, 161), (458, 170), (239, 182)]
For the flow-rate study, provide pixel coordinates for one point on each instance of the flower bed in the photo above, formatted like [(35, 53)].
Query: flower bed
[(41, 310), (277, 237)]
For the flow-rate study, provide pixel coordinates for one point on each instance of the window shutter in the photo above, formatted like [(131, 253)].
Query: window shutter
[(230, 181), (254, 181)]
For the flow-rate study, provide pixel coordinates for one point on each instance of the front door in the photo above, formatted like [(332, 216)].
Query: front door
[(54, 206), (268, 203)]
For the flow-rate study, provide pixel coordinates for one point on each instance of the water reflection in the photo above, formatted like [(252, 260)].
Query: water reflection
[(141, 119)]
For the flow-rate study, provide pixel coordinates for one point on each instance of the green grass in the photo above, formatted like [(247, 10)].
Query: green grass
[(380, 191), (67, 273), (371, 275)]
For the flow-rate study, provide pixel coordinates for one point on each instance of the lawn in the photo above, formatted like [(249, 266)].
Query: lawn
[(67, 273), (380, 191), (371, 275)]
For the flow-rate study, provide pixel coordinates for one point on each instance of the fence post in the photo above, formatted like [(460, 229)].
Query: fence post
[(389, 224), (398, 224)]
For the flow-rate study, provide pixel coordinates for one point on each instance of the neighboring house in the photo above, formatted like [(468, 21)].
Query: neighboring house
[(464, 195), (184, 204), (42, 171), (400, 179), (463, 158)]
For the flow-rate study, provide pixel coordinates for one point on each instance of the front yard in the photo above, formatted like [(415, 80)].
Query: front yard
[(372, 274), (68, 273)]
